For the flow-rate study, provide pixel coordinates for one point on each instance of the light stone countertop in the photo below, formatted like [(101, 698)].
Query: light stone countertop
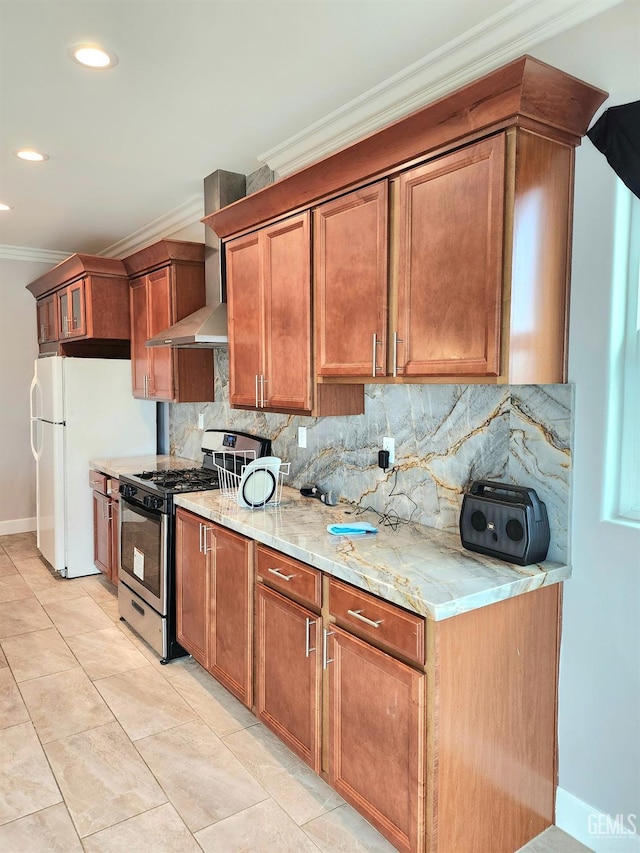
[(420, 568)]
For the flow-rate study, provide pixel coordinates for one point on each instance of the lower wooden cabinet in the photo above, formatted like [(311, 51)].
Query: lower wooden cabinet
[(106, 528), (377, 737), (288, 666), (214, 600), (192, 587), (441, 734)]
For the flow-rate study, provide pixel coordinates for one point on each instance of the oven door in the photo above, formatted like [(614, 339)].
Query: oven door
[(144, 539)]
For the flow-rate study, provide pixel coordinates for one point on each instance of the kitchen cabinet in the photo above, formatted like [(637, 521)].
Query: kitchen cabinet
[(47, 310), (376, 718), (463, 275), (288, 660), (167, 284), (192, 587), (269, 309), (106, 531), (351, 248), (83, 308), (214, 601), (413, 721)]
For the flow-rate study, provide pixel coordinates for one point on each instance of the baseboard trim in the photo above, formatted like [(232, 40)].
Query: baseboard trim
[(600, 832), (17, 525)]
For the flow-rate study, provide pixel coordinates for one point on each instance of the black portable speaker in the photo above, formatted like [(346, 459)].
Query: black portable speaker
[(505, 521)]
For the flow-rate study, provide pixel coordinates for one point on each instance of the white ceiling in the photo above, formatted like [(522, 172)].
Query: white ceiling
[(200, 85)]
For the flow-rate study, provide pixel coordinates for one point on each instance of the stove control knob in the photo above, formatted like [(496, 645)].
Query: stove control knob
[(127, 491), (153, 502)]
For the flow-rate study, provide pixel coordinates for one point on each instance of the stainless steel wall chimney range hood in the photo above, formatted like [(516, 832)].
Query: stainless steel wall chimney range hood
[(207, 327)]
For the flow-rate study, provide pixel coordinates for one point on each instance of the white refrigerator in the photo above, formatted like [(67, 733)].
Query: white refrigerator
[(81, 409)]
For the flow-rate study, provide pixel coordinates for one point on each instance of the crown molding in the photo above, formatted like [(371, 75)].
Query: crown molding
[(497, 40), (185, 214), (25, 253)]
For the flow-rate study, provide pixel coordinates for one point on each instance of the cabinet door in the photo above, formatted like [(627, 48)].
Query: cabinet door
[(450, 263), (376, 738), (139, 326), (192, 587), (231, 596), (244, 306), (351, 250), (287, 314), (102, 548), (114, 506), (47, 319), (160, 316), (289, 673), (75, 308)]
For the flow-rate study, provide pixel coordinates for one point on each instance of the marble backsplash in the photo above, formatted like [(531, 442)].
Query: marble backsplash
[(446, 437)]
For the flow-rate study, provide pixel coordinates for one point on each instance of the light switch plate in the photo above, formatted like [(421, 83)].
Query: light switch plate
[(302, 436), (390, 445), (201, 421)]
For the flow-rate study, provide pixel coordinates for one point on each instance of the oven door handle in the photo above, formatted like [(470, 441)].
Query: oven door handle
[(153, 514)]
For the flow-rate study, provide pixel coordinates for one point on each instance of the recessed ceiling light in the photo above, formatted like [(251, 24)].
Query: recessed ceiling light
[(4, 206), (30, 154), (93, 56)]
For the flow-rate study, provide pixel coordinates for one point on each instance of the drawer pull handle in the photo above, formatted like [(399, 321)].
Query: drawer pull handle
[(357, 614), (308, 648), (279, 574), (137, 607)]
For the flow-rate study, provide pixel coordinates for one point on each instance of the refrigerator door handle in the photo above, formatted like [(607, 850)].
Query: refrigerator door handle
[(33, 426), (32, 393)]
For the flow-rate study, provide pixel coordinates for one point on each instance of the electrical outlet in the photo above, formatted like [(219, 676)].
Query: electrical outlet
[(389, 444), (302, 436), (201, 421)]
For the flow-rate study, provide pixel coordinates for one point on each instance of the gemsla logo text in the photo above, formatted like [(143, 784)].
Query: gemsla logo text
[(619, 824)]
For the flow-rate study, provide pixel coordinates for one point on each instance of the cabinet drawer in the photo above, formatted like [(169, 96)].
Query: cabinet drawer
[(377, 620), (99, 482), (114, 488), (290, 576)]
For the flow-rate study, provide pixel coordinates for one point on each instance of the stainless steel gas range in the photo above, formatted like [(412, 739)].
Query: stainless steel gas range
[(146, 587)]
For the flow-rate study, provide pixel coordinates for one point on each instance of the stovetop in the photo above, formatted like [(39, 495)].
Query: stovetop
[(181, 480)]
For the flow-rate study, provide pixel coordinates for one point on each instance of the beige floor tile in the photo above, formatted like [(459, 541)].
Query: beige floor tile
[(38, 653), (144, 702), (159, 829), (103, 779), (209, 699), (77, 616), (554, 840), (33, 565), (344, 831), (26, 782), (13, 588), (202, 778), (264, 827), (63, 704), (12, 708), (111, 609), (302, 794), (30, 616), (3, 660), (106, 652), (49, 590), (5, 560), (7, 569), (20, 545), (47, 831), (99, 588)]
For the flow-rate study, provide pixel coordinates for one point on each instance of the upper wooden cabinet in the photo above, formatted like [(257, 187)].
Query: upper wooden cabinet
[(441, 242), (269, 308), (167, 284), (83, 308)]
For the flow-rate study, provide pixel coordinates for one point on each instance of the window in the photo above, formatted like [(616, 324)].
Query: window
[(625, 409)]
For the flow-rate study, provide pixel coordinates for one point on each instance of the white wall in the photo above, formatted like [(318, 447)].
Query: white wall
[(599, 713), (18, 349)]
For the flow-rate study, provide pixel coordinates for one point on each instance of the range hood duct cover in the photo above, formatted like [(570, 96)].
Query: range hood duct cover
[(207, 327)]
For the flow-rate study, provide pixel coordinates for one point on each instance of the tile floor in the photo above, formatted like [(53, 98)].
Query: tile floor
[(104, 750)]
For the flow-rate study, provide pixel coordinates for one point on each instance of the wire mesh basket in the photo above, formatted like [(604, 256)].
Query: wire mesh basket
[(254, 483)]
